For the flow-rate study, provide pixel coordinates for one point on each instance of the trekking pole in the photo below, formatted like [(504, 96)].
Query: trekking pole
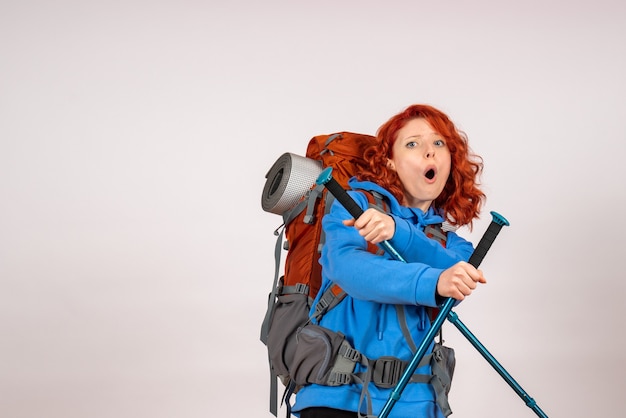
[(530, 402), (326, 179), (475, 259)]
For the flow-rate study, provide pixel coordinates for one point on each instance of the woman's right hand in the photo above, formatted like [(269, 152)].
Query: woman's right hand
[(374, 225), (459, 281)]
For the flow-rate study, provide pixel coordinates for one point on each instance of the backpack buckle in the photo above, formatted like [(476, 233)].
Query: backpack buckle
[(387, 371), (302, 288), (339, 378), (350, 353)]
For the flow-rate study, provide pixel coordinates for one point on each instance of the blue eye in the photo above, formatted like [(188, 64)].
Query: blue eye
[(440, 143), (411, 144)]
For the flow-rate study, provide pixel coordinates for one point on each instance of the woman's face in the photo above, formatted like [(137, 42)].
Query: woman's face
[(422, 161)]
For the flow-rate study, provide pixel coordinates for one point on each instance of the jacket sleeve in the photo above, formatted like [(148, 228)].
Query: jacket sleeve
[(413, 244), (364, 275)]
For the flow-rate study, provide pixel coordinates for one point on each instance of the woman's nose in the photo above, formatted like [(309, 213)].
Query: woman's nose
[(430, 152)]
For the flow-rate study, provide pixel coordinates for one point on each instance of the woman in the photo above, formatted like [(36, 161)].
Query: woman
[(425, 171)]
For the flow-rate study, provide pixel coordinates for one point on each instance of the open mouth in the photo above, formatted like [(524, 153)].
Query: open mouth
[(430, 174)]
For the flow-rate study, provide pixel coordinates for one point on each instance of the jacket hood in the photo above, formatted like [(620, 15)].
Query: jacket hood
[(430, 217)]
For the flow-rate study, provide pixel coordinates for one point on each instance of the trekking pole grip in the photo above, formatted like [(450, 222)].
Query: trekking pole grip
[(497, 222), (326, 179)]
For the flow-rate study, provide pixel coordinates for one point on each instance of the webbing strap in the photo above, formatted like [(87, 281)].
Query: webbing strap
[(307, 202), (384, 372), (265, 326), (291, 214), (436, 232), (342, 372), (441, 382), (401, 312), (314, 194), (329, 299), (271, 302), (273, 392), (299, 288), (328, 141), (289, 390), (365, 395)]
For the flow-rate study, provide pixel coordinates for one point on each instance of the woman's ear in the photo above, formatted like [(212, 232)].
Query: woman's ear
[(391, 165)]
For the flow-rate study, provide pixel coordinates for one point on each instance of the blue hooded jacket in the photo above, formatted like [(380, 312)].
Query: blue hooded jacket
[(375, 284)]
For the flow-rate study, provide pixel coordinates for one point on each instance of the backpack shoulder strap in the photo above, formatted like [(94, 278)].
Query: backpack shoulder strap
[(437, 233), (335, 294)]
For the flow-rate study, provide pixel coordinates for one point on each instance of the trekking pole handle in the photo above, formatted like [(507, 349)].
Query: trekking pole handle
[(497, 222), (327, 180)]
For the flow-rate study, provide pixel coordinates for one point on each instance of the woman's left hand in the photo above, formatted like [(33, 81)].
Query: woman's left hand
[(374, 225)]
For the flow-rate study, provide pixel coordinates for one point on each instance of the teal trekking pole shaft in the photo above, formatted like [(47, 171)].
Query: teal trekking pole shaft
[(530, 402)]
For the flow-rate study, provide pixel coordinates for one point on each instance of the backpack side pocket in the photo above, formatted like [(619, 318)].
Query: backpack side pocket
[(442, 362), (291, 313), (316, 353)]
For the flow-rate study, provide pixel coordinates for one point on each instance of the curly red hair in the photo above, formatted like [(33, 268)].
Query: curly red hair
[(461, 198)]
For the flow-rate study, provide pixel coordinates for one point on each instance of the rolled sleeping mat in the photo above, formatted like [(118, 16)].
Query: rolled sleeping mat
[(289, 179)]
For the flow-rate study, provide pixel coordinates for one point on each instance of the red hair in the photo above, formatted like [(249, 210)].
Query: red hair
[(461, 198)]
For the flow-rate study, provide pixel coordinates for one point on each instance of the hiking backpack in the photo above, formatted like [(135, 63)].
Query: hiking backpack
[(290, 191)]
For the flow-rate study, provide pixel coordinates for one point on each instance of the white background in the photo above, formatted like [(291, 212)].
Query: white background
[(135, 258)]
